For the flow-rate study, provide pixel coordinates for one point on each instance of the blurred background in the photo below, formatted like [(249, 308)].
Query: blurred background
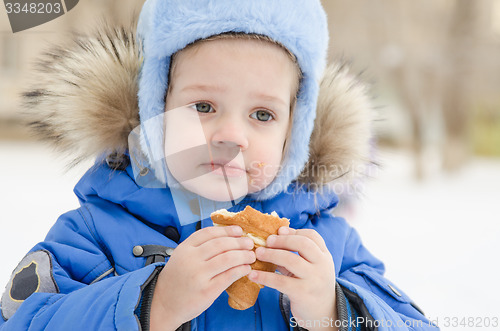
[(429, 211)]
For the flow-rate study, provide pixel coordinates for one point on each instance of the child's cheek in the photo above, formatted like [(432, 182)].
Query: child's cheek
[(262, 172), (183, 130)]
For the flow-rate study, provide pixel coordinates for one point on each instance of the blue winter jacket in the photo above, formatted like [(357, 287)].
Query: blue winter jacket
[(95, 282)]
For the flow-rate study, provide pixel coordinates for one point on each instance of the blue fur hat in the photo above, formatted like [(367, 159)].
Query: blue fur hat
[(167, 26)]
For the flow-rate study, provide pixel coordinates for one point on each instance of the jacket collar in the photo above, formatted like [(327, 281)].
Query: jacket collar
[(156, 205)]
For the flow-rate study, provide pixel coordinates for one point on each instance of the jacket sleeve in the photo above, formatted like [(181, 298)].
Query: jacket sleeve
[(67, 282), (371, 300)]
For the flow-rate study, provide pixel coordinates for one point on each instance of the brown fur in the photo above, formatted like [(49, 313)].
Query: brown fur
[(84, 101), (340, 142), (85, 95)]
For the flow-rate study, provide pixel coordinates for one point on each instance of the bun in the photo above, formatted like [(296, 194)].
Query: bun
[(257, 226)]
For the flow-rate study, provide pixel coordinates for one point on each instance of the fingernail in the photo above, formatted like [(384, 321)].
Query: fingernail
[(259, 251), (271, 240), (248, 243), (252, 275), (284, 230), (237, 231), (254, 257)]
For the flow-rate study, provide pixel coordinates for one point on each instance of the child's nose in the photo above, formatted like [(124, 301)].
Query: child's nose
[(230, 133)]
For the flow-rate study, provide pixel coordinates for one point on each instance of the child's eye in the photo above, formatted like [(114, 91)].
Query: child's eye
[(203, 107), (262, 115)]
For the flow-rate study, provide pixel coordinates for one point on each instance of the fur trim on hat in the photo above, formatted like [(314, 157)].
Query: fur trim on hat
[(340, 142), (84, 94), (84, 101)]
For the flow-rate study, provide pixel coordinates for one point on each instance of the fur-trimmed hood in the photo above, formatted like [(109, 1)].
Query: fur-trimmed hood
[(84, 101)]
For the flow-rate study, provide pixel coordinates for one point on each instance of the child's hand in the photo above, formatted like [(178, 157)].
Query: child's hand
[(308, 278), (198, 271)]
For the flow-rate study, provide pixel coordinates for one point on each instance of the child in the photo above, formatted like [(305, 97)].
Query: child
[(228, 96)]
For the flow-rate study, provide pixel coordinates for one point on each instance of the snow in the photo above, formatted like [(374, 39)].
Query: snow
[(439, 239), (34, 192)]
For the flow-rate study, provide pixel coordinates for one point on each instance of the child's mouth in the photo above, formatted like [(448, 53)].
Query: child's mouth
[(225, 169)]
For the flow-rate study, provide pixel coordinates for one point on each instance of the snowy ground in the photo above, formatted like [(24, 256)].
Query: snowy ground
[(437, 238)]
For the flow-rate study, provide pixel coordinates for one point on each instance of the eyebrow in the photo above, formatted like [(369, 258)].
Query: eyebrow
[(206, 88), (220, 89), (267, 97)]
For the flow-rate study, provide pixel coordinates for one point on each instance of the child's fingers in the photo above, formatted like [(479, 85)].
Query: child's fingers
[(228, 260), (281, 283), (216, 246), (309, 233), (201, 236), (222, 281), (296, 243), (291, 261), (284, 271)]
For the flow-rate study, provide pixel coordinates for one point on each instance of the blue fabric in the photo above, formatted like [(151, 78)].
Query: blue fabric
[(167, 26), (116, 214)]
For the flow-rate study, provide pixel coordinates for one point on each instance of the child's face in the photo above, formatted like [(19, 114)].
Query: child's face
[(228, 141)]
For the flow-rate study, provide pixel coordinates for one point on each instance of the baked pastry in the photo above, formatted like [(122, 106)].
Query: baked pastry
[(257, 226)]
